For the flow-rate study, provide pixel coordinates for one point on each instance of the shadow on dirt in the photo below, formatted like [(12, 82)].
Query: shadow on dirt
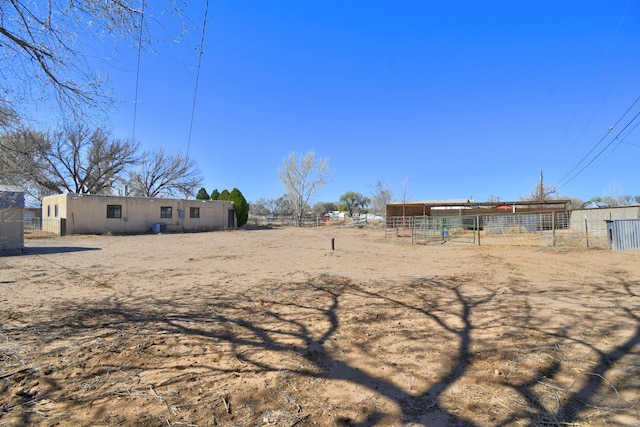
[(329, 330)]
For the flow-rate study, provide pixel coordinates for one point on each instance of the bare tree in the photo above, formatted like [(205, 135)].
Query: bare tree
[(49, 49), (303, 178), (162, 174), (541, 191), (21, 156), (9, 119), (85, 162), (280, 206), (380, 198), (74, 160), (405, 189)]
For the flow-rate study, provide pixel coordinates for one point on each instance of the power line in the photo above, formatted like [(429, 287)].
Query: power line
[(560, 184), (582, 101), (605, 147), (195, 91), (135, 102)]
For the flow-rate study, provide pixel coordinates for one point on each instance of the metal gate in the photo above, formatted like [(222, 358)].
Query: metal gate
[(445, 228)]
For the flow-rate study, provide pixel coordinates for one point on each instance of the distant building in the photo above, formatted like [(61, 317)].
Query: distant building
[(11, 220), (99, 214), (451, 207)]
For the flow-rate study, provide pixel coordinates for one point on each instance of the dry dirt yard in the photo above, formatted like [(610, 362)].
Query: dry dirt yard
[(271, 327)]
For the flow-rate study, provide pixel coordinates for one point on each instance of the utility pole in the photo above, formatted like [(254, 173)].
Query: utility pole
[(541, 190)]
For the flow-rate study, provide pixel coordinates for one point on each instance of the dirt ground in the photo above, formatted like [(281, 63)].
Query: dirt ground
[(271, 327)]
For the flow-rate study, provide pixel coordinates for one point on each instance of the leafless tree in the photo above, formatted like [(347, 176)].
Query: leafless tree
[(279, 206), (50, 49), (8, 118), (75, 160), (404, 190), (380, 197), (21, 157), (162, 174), (303, 178), (86, 162)]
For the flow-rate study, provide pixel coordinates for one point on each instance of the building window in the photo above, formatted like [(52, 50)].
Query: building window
[(194, 212), (165, 212), (55, 209), (48, 211), (114, 211)]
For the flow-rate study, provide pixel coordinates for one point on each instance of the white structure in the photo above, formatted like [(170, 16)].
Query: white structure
[(97, 214)]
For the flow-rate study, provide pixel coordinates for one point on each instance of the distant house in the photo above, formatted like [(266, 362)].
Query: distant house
[(99, 214), (11, 220)]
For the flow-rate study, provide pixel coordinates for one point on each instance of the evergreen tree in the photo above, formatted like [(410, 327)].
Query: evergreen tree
[(241, 206), (202, 194), (224, 195), (215, 194)]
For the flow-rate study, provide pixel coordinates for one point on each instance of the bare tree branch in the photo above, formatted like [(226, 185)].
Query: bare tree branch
[(164, 174), (303, 179), (75, 160), (55, 49)]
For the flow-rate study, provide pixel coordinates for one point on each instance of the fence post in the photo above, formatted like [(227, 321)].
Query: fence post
[(478, 228), (586, 230), (553, 228)]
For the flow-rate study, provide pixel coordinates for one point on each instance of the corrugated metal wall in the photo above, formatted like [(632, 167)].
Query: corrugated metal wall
[(624, 234)]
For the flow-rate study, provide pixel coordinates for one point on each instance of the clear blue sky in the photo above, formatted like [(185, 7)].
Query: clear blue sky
[(456, 99)]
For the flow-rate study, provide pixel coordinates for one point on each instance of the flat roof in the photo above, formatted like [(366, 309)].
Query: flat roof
[(472, 204)]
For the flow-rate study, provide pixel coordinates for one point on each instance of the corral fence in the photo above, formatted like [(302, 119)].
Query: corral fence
[(523, 229), (445, 228), (398, 226)]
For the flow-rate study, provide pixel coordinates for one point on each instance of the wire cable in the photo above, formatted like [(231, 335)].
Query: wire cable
[(195, 91), (606, 95), (560, 184), (135, 102), (604, 149)]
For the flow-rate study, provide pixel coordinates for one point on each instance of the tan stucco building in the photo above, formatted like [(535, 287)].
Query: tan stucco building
[(98, 214)]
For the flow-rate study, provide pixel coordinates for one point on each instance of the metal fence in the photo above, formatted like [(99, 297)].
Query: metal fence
[(398, 226), (526, 229), (442, 229), (546, 229), (39, 228)]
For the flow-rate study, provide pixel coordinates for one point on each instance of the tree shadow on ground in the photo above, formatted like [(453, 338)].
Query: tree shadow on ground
[(447, 347)]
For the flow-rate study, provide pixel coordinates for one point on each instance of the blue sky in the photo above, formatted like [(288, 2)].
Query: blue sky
[(450, 99)]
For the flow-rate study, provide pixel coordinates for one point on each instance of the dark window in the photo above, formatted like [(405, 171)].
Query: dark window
[(194, 212), (114, 211), (55, 208), (48, 211), (165, 212)]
